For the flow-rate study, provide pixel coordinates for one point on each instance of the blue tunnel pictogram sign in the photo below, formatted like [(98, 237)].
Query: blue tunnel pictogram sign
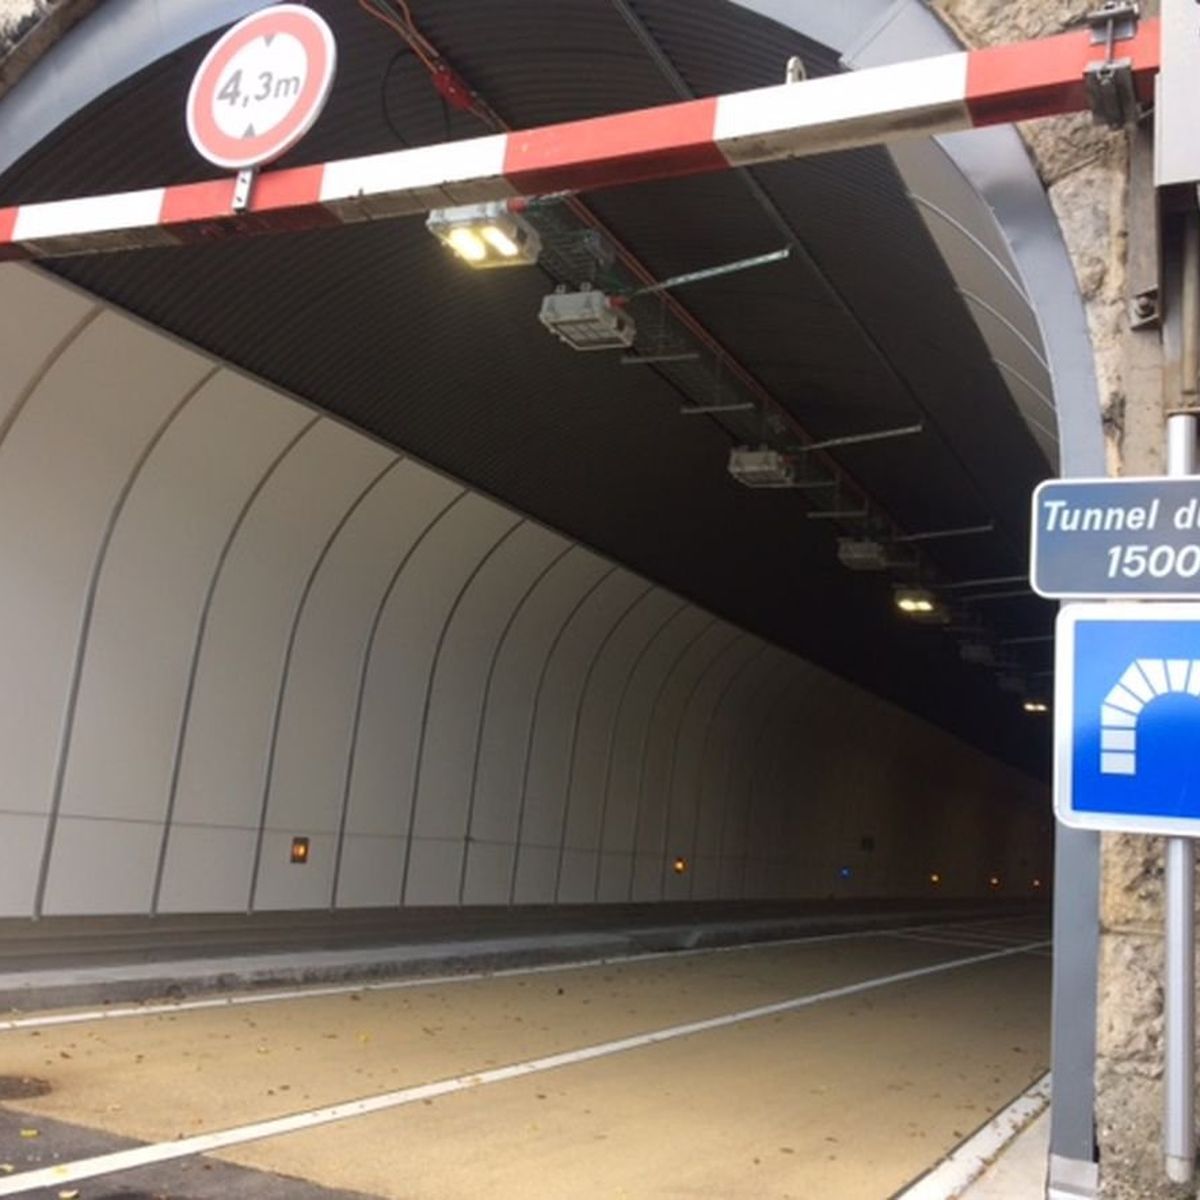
[(1127, 717)]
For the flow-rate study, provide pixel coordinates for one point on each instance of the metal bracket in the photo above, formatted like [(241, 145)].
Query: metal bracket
[(1114, 21), (243, 185), (1109, 83)]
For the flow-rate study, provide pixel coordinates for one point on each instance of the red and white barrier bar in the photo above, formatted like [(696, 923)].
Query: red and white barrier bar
[(927, 96)]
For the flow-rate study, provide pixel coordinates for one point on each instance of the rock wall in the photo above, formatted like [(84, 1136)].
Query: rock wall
[(1086, 171), (28, 28)]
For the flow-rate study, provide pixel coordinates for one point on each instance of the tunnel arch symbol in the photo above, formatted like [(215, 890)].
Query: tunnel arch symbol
[(1144, 680)]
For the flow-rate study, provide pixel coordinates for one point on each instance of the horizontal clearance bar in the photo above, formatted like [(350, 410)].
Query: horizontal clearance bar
[(838, 112)]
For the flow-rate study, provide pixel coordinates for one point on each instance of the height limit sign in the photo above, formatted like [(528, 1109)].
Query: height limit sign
[(260, 89), (1117, 539)]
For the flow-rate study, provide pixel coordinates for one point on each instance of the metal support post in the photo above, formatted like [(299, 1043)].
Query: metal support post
[(1179, 1018), (1182, 343)]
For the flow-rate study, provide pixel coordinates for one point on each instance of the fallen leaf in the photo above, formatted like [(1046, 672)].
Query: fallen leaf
[(30, 1133), (69, 1194)]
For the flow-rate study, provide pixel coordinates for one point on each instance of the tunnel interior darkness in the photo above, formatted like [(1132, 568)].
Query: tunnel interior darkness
[(253, 607)]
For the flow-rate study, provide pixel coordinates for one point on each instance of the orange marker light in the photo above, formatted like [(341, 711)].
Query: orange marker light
[(299, 849), (935, 879), (994, 881), (680, 865)]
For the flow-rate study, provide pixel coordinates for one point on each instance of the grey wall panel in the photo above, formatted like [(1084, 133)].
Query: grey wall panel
[(653, 848), (713, 767), (551, 738), (280, 881), (742, 767), (40, 319), (397, 691), (226, 750), (149, 595), (672, 637), (514, 704), (312, 751), (702, 761), (63, 465), (628, 612), (228, 622), (459, 691)]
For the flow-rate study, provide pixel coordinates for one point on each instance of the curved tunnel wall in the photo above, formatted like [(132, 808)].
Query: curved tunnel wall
[(227, 621)]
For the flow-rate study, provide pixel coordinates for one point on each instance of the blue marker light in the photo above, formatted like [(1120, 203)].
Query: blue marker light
[(845, 872)]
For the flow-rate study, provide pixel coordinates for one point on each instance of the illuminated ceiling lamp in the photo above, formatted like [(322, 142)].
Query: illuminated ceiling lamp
[(485, 236), (1036, 706), (919, 604)]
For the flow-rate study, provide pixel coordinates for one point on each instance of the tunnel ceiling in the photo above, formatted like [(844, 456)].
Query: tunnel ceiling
[(862, 328)]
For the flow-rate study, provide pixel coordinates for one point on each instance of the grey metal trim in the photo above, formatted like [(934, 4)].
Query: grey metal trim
[(85, 627), (978, 243), (429, 682), (364, 671), (669, 790), (118, 39), (763, 647), (198, 645), (991, 310), (286, 670), (612, 738), (644, 748), (48, 364), (483, 708), (568, 787), (757, 764)]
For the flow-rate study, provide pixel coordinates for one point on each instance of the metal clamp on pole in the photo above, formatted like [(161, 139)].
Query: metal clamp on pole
[(243, 186), (1109, 83)]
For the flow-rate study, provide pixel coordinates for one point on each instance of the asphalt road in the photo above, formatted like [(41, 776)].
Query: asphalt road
[(835, 1068)]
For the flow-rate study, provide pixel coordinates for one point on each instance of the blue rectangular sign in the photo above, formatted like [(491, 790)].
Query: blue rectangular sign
[(1116, 539), (1127, 718)]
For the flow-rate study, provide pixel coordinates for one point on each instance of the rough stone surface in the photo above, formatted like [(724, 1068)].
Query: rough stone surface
[(1086, 170), (28, 28), (16, 16)]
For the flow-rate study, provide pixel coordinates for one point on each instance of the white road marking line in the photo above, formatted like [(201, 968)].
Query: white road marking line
[(933, 939), (204, 1143), (954, 1174), (344, 989)]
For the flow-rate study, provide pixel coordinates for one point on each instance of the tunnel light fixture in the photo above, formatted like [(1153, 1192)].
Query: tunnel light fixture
[(862, 554), (680, 865), (1037, 883), (1036, 706), (978, 653), (993, 881), (588, 320), (935, 878), (845, 873), (919, 604), (761, 468), (486, 235)]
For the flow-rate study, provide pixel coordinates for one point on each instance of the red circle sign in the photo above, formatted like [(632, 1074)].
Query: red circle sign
[(260, 89)]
